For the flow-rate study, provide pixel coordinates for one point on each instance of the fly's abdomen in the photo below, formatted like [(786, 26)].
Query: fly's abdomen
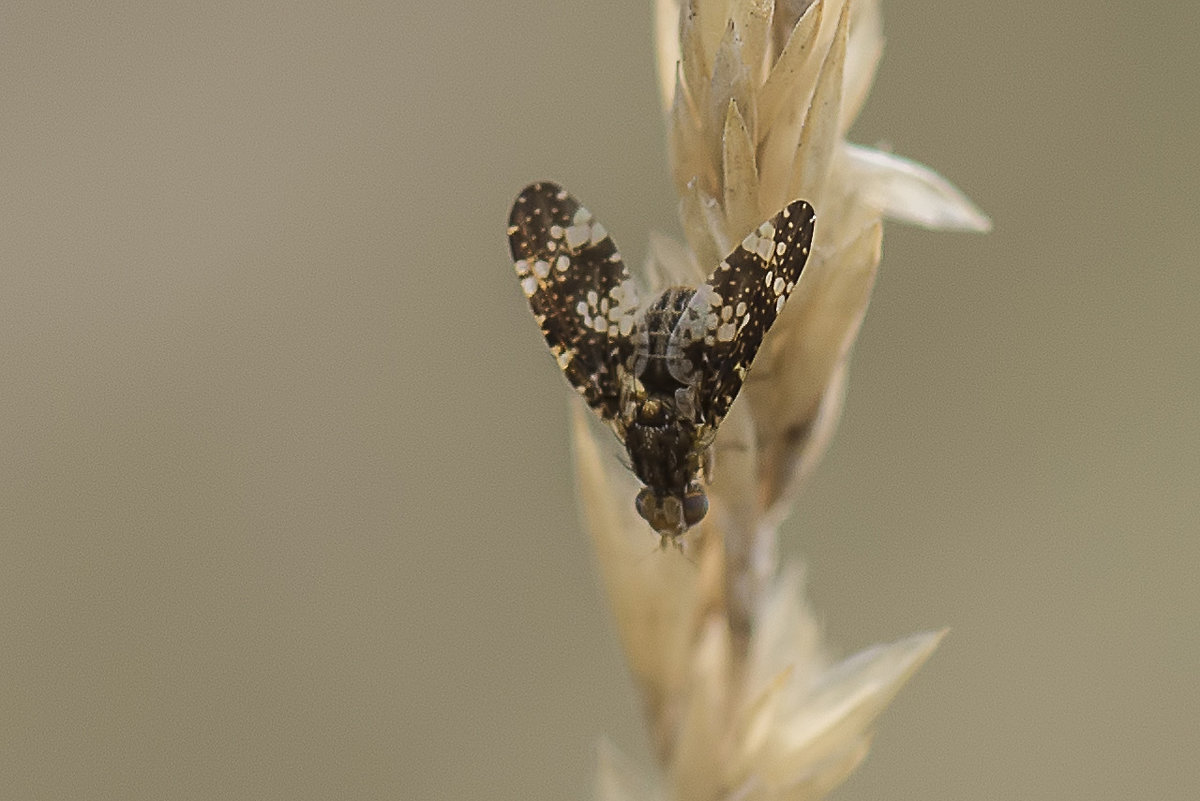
[(653, 337)]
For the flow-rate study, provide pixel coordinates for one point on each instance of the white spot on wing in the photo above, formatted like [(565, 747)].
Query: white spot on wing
[(576, 235), (764, 249)]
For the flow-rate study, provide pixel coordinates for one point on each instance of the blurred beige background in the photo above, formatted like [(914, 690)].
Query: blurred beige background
[(287, 510)]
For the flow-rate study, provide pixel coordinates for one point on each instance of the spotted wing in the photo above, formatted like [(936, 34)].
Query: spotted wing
[(578, 288), (720, 331)]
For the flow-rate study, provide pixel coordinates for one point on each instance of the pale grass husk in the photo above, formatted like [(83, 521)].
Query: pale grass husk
[(742, 699)]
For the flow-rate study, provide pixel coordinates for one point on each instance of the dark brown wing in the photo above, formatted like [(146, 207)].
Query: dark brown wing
[(578, 288), (719, 333)]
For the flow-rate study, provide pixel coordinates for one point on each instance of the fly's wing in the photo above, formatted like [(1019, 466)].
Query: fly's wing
[(578, 288), (720, 331)]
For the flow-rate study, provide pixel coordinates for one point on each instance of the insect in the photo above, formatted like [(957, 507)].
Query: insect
[(662, 374)]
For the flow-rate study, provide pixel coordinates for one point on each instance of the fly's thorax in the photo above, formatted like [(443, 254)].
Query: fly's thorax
[(662, 446), (667, 450)]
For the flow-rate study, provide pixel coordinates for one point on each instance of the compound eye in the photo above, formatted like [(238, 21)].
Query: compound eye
[(695, 506), (644, 504)]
